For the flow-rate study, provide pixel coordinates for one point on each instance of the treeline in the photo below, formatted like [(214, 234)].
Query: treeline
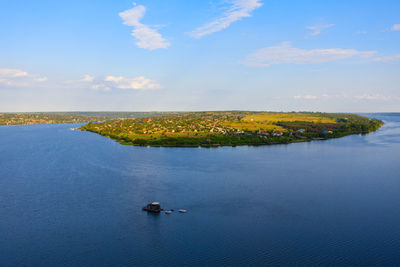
[(343, 127), (209, 141)]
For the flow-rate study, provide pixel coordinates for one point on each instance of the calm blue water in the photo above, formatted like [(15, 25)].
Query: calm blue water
[(70, 198)]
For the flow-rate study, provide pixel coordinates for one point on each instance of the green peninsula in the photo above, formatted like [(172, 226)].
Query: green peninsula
[(232, 128)]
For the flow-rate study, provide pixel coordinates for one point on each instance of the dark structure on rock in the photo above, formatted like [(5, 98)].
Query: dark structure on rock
[(153, 207)]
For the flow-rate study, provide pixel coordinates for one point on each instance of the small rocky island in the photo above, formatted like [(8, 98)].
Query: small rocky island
[(232, 128)]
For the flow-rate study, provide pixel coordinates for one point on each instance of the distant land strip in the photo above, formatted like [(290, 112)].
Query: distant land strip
[(28, 118)]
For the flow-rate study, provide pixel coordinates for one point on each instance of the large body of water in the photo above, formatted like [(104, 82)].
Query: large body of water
[(71, 198)]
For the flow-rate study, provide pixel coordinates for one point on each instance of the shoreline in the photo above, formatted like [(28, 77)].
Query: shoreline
[(276, 142)]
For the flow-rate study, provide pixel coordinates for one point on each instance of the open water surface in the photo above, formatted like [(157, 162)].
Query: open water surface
[(71, 198)]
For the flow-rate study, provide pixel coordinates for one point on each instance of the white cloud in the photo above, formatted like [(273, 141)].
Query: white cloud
[(239, 9), (317, 29), (84, 81), (41, 79), (101, 86), (387, 58), (16, 77), (286, 54), (138, 83), (377, 97), (369, 97), (395, 27), (13, 73), (148, 38), (87, 78), (110, 82), (323, 96), (308, 97)]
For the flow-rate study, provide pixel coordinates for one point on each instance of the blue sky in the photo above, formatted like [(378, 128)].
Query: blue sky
[(200, 55)]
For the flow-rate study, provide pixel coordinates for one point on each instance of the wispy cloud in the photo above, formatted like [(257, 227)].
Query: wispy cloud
[(88, 78), (370, 97), (322, 96), (148, 38), (317, 29), (362, 32), (137, 83), (111, 82), (85, 79), (377, 97), (16, 77), (387, 58), (286, 54), (239, 9), (306, 97), (395, 27)]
